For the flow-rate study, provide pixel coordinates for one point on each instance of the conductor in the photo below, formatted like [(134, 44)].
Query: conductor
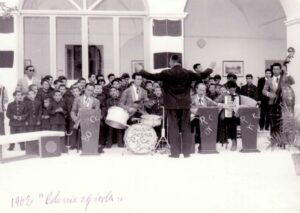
[(177, 101)]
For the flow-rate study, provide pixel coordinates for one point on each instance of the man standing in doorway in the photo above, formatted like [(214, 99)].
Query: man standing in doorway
[(177, 102)]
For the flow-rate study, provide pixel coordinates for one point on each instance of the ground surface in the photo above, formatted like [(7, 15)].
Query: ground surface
[(119, 181)]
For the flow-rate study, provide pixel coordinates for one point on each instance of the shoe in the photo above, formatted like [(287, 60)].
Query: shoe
[(108, 146), (10, 149), (72, 147), (121, 145), (173, 156), (100, 150), (186, 155), (233, 146), (22, 148)]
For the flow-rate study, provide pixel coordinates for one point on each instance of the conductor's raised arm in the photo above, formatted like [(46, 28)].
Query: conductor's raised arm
[(151, 76)]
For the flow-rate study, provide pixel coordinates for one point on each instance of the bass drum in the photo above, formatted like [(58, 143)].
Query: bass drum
[(140, 139)]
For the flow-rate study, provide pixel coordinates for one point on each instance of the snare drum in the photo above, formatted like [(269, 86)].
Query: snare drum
[(117, 117), (151, 120), (140, 139)]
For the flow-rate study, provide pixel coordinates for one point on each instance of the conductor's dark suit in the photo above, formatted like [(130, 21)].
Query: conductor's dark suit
[(177, 101)]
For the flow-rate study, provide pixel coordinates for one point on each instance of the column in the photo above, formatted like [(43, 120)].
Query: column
[(293, 35), (163, 33)]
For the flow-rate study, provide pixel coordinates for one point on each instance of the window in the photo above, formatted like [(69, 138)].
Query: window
[(37, 43), (68, 47)]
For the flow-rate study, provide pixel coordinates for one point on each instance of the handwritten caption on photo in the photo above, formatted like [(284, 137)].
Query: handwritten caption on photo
[(59, 198)]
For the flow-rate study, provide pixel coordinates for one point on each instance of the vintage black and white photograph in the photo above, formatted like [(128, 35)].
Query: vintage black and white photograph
[(149, 106)]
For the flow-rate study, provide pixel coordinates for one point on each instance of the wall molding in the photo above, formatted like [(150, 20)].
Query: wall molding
[(292, 22)]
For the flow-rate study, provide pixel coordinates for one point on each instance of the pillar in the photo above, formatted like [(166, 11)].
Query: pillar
[(292, 10), (163, 33)]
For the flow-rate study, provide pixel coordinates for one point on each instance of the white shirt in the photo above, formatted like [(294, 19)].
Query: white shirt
[(274, 80), (86, 101), (201, 101), (29, 81), (135, 92)]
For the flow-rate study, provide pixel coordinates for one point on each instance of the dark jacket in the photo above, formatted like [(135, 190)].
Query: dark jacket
[(176, 85), (34, 112), (260, 86), (42, 95), (102, 99), (18, 109), (58, 118), (250, 91), (156, 106), (45, 119)]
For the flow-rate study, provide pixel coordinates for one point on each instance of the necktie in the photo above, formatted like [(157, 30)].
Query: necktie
[(277, 80), (201, 101), (137, 93), (86, 101)]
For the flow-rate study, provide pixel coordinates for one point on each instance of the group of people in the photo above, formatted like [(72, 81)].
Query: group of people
[(50, 105)]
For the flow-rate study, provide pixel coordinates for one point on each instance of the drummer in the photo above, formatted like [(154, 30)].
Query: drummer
[(114, 135), (134, 99), (155, 108)]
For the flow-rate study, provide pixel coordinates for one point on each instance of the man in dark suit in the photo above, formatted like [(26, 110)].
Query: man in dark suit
[(177, 101), (249, 90), (264, 121)]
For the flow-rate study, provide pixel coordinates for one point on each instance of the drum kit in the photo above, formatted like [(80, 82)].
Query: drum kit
[(139, 138)]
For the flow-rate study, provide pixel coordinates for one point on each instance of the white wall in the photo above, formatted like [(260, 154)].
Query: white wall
[(252, 52), (234, 31)]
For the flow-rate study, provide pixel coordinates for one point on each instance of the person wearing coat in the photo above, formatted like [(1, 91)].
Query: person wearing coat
[(273, 89), (176, 87), (85, 101), (134, 99)]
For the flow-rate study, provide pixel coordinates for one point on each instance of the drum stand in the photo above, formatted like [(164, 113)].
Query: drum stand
[(162, 144)]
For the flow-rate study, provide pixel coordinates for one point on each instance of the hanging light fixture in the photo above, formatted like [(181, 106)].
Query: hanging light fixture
[(6, 11)]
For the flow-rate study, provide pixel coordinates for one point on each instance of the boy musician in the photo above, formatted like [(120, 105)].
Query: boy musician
[(228, 125), (99, 94), (155, 108), (17, 114), (113, 100), (58, 112), (34, 108), (45, 117), (45, 91)]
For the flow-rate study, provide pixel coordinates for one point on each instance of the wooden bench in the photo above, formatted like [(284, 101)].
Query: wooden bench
[(41, 143)]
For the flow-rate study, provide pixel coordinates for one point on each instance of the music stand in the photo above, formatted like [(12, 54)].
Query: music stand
[(165, 149)]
